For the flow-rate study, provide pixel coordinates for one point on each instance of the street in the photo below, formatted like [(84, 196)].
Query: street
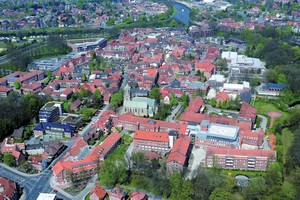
[(34, 184)]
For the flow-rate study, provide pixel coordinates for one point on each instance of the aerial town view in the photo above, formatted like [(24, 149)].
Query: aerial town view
[(150, 99)]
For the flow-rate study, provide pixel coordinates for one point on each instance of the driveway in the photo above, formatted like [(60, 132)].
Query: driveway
[(199, 156)]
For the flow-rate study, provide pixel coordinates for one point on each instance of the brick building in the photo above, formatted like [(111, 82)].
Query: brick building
[(244, 159), (179, 155), (151, 141), (80, 163)]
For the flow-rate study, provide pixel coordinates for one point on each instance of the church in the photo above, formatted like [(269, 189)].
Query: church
[(139, 106)]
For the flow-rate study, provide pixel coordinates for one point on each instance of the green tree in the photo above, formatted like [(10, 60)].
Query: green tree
[(116, 99), (184, 100), (181, 189), (274, 175), (9, 159), (155, 94), (127, 20), (173, 100), (83, 77), (221, 64), (17, 85), (113, 172), (220, 194), (282, 79), (173, 23), (213, 102)]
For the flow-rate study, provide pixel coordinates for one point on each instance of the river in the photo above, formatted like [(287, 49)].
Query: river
[(182, 14)]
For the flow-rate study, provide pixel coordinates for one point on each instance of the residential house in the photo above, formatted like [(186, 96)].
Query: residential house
[(206, 67), (75, 105), (4, 91), (179, 155), (196, 105), (9, 190), (117, 193), (138, 196), (98, 193), (16, 149), (222, 97), (18, 133)]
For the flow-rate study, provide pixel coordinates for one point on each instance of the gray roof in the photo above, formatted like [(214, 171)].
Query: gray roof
[(150, 102), (132, 104)]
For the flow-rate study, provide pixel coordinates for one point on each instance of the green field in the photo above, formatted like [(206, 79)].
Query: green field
[(263, 107)]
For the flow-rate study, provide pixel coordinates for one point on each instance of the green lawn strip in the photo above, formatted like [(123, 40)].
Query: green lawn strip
[(249, 174), (287, 140), (87, 197), (102, 138)]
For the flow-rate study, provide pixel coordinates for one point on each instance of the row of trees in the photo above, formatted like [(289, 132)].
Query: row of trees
[(19, 58)]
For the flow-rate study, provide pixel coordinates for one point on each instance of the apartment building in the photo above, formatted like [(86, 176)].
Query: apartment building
[(151, 141), (244, 159)]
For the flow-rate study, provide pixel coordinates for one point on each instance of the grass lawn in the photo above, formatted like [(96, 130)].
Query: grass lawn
[(102, 138), (264, 107), (249, 174), (287, 140), (87, 197)]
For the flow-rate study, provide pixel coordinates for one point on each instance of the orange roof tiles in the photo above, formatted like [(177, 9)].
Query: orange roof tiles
[(222, 96), (99, 191), (195, 105), (240, 152), (180, 150), (247, 111), (152, 136)]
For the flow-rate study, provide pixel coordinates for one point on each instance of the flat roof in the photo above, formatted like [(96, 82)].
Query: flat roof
[(46, 196), (223, 131)]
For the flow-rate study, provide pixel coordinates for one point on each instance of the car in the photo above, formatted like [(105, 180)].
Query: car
[(55, 191)]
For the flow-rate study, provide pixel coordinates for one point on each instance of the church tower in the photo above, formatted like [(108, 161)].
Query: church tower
[(127, 96)]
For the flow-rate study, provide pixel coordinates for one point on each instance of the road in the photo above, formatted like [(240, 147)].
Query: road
[(35, 184), (170, 118)]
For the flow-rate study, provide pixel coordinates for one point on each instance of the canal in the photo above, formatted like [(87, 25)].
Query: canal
[(182, 14)]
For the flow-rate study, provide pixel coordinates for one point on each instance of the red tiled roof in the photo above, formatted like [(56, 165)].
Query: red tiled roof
[(247, 111), (195, 105), (222, 96), (99, 191), (240, 152), (88, 162), (76, 147), (137, 196), (180, 150), (5, 89), (8, 188), (152, 136), (206, 66)]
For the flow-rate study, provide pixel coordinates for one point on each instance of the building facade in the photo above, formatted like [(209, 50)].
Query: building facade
[(151, 141), (243, 159)]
